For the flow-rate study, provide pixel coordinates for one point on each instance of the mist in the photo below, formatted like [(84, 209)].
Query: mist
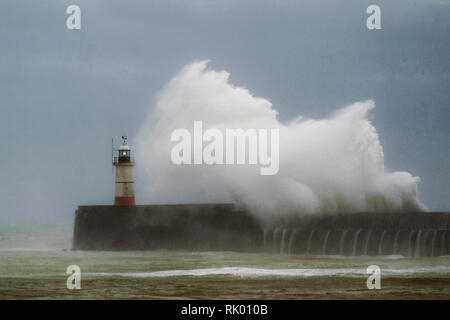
[(329, 165)]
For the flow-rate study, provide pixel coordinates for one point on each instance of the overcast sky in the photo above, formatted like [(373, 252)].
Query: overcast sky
[(65, 93)]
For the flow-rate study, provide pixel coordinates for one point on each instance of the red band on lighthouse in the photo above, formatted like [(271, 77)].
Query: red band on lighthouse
[(124, 201)]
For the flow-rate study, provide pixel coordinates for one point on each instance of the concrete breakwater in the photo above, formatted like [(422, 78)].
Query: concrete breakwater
[(204, 227), (211, 227)]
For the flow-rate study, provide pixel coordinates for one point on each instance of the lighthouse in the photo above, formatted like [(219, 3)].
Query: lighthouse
[(124, 178)]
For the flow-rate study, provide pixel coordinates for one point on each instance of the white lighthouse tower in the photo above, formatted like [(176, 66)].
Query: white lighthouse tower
[(124, 182)]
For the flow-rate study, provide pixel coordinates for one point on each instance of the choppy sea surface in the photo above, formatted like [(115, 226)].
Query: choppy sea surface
[(34, 260)]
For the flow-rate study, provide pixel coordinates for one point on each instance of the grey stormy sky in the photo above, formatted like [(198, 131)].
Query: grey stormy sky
[(64, 94)]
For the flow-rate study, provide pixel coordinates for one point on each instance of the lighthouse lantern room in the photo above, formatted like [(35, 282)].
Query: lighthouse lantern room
[(124, 178)]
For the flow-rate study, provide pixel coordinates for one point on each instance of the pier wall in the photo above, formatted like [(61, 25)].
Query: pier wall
[(210, 227), (201, 227)]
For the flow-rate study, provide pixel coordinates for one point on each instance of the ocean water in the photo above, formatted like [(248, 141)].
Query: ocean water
[(34, 260)]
